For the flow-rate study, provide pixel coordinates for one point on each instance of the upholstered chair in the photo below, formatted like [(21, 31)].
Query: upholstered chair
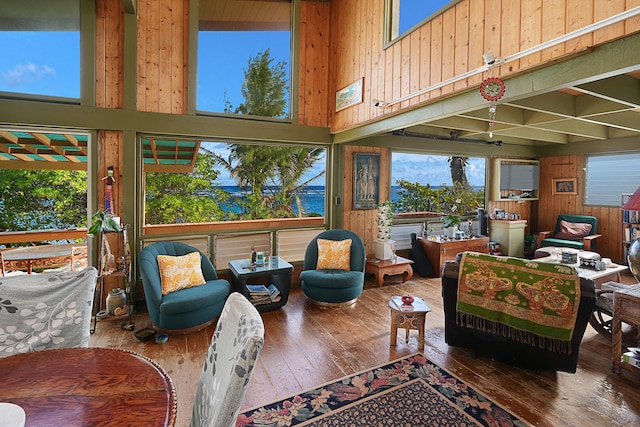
[(198, 297), (572, 231), (333, 275), (228, 367)]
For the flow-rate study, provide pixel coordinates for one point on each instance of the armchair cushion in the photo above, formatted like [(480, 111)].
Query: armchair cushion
[(334, 254), (573, 230), (179, 272)]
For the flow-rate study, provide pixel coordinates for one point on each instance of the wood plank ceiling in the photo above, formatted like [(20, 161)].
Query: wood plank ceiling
[(596, 111)]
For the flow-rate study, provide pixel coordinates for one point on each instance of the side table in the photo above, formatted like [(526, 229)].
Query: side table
[(380, 268), (277, 270), (408, 319), (626, 308)]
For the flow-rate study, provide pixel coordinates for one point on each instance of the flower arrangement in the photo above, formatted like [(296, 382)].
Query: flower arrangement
[(451, 219), (385, 220)]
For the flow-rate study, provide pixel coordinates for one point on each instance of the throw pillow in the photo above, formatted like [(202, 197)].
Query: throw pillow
[(334, 254), (573, 230), (180, 272)]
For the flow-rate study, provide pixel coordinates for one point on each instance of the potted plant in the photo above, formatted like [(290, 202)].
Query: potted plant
[(102, 222), (384, 246), (451, 220)]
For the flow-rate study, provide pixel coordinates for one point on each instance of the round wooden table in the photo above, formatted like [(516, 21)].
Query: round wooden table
[(88, 387)]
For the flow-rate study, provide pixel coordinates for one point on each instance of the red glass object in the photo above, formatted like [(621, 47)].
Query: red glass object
[(407, 299)]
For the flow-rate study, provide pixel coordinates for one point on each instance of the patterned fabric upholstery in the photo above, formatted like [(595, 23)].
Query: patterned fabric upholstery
[(228, 367), (45, 311)]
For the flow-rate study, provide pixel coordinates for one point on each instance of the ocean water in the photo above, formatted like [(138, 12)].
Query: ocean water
[(312, 198)]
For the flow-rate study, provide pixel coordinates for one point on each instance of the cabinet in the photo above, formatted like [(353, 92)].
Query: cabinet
[(626, 308), (630, 227), (510, 235), (439, 251), (514, 179), (114, 263)]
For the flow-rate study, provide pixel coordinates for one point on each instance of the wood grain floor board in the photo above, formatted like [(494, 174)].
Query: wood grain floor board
[(307, 345)]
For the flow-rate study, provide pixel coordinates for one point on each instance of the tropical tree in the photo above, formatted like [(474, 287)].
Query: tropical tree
[(42, 199), (458, 166), (183, 198), (261, 168)]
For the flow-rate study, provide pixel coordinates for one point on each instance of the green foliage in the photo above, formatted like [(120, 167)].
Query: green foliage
[(264, 87), (42, 199), (184, 198), (415, 197), (100, 222)]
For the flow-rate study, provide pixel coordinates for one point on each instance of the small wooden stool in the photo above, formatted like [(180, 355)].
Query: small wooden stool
[(408, 317)]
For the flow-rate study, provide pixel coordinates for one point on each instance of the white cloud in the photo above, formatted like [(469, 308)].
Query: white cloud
[(27, 73)]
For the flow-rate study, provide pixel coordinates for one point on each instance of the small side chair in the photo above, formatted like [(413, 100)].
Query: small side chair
[(185, 310), (228, 367), (330, 285)]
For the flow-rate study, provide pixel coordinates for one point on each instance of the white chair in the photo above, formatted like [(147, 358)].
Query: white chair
[(229, 364)]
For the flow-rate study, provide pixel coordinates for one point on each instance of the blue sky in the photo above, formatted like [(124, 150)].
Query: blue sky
[(48, 63)]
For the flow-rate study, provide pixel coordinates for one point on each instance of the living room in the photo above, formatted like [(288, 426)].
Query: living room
[(543, 115)]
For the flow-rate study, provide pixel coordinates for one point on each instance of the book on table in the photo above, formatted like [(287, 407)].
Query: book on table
[(257, 290), (260, 294)]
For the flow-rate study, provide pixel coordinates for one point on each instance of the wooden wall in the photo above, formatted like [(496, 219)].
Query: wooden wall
[(313, 91), (442, 48), (551, 205)]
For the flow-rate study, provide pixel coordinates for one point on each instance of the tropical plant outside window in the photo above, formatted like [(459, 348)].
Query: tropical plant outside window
[(428, 183), (235, 31)]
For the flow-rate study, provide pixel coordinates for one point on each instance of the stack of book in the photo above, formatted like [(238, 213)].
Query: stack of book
[(260, 294)]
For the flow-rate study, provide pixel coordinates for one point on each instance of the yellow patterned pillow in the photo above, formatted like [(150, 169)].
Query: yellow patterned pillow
[(179, 272), (334, 254)]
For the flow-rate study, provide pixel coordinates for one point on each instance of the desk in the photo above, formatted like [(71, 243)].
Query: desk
[(88, 387), (439, 251), (380, 268), (42, 256), (626, 308)]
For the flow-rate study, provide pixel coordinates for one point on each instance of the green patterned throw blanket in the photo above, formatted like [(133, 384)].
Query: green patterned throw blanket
[(531, 302)]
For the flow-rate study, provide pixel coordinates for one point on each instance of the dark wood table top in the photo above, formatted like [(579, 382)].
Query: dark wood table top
[(88, 387)]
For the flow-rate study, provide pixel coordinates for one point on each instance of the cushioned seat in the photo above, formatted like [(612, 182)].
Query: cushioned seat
[(187, 309), (572, 231), (331, 285)]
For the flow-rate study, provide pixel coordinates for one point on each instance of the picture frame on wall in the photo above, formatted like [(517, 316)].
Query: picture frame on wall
[(366, 180), (350, 95), (564, 186)]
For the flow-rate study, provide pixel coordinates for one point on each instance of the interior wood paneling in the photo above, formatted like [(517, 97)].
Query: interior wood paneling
[(452, 44)]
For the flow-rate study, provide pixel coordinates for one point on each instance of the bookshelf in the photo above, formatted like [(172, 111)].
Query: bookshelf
[(630, 227)]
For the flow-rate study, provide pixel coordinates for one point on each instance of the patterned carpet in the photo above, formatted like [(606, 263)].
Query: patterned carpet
[(409, 392)]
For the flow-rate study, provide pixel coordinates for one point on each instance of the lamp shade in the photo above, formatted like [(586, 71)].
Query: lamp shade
[(633, 204)]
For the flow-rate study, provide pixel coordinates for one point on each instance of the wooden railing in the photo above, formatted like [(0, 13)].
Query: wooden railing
[(41, 235)]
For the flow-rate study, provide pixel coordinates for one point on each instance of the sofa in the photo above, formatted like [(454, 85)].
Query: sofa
[(527, 344)]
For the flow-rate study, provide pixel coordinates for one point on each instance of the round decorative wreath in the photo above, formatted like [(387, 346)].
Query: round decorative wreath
[(492, 88)]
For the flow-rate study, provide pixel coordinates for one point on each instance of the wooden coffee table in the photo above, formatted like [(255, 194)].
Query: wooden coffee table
[(380, 268)]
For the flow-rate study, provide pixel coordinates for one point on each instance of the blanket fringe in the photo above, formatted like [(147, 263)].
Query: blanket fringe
[(476, 322)]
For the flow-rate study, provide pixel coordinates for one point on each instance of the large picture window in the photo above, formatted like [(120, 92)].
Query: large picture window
[(609, 177), (430, 183), (402, 16), (207, 181), (40, 47), (244, 57)]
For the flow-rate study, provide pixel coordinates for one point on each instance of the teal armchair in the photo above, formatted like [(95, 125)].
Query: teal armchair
[(329, 286), (185, 310), (572, 231)]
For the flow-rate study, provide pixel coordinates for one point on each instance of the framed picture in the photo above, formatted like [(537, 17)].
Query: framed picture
[(350, 95), (565, 186), (366, 180)]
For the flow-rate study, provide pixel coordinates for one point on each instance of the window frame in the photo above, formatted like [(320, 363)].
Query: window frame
[(629, 184), (391, 32)]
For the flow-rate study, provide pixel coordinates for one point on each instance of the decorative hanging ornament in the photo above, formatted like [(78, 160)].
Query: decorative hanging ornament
[(492, 89)]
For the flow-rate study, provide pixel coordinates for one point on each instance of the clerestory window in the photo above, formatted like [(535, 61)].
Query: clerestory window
[(402, 16)]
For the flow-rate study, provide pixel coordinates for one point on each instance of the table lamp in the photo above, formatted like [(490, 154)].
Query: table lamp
[(633, 255)]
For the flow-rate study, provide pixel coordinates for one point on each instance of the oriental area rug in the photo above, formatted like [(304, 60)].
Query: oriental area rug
[(409, 392)]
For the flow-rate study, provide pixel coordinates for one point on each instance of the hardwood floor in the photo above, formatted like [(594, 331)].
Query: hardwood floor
[(307, 345)]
